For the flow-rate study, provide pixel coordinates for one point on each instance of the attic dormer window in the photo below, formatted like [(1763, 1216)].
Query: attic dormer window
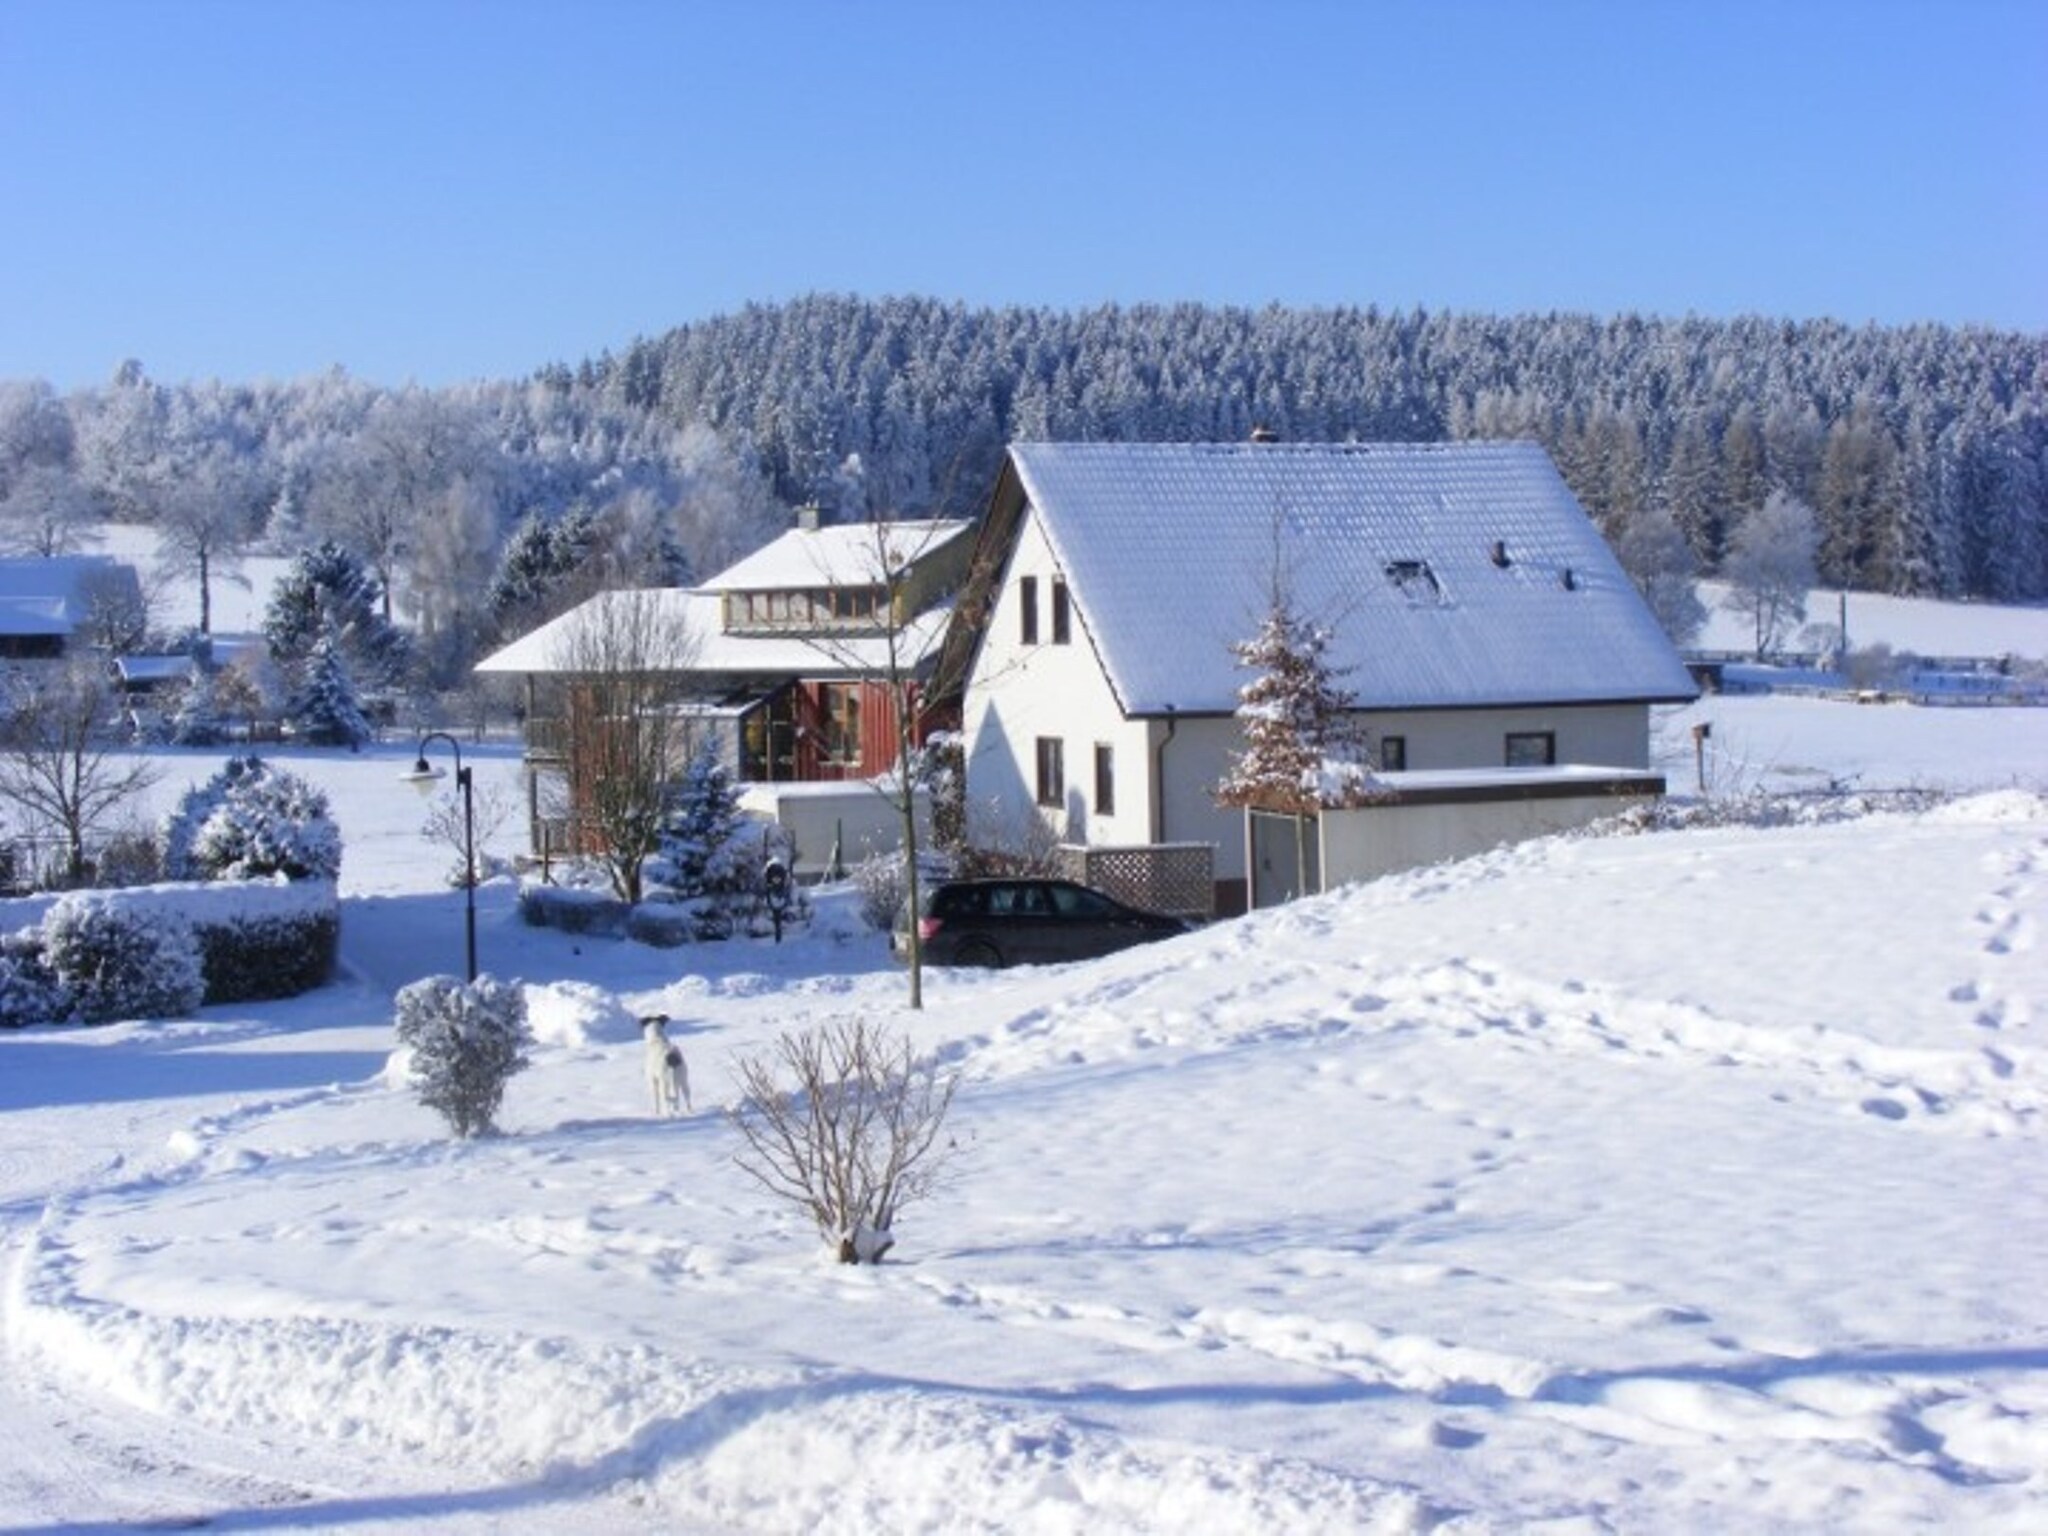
[(1414, 580)]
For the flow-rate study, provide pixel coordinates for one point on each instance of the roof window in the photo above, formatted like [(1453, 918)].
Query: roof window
[(1414, 580)]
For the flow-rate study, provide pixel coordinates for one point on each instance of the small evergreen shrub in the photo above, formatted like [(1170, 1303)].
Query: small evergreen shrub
[(122, 962), (248, 821), (30, 992), (466, 1040), (700, 851)]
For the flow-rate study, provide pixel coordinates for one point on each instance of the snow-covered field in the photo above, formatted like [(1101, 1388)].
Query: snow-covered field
[(1683, 1181), (1644, 1183)]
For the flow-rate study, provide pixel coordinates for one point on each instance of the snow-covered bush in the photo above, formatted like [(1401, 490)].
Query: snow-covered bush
[(571, 909), (464, 1041), (251, 820), (662, 924), (119, 961), (30, 992), (883, 889)]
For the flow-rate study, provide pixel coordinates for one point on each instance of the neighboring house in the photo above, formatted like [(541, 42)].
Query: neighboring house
[(47, 601), (790, 652), (1477, 617)]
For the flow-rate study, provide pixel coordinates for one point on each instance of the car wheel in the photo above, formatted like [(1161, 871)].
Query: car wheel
[(980, 952)]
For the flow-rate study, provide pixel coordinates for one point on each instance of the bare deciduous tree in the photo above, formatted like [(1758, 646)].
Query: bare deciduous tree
[(206, 510), (47, 511), (58, 764), (624, 743), (846, 1122), (1770, 568), (886, 649)]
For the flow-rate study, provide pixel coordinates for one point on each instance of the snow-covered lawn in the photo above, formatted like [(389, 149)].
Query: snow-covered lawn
[(1686, 1181)]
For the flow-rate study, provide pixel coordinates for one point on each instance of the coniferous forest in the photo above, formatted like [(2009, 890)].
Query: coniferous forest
[(1922, 451)]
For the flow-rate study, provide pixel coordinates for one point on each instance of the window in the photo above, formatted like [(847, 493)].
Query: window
[(1532, 749), (840, 704), (1393, 753), (1062, 614), (1027, 595), (1052, 772), (1105, 779), (1414, 580)]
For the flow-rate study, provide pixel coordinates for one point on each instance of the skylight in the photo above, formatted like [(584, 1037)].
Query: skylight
[(1414, 580)]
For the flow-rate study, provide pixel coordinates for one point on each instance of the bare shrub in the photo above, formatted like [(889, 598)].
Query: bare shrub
[(854, 1137)]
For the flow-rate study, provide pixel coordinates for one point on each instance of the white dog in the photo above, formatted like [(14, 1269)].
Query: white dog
[(666, 1074)]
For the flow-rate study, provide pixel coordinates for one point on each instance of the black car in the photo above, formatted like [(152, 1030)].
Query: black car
[(1027, 921)]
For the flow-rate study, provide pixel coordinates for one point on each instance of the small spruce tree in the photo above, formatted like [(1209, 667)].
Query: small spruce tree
[(695, 850), (324, 709), (1302, 747)]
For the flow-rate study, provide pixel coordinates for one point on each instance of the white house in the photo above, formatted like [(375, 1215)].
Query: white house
[(1478, 618)]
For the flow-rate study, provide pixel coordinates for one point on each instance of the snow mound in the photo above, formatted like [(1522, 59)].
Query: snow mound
[(573, 1013), (2003, 805)]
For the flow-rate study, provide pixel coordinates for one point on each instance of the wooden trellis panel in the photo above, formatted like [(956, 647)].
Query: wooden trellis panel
[(1179, 878)]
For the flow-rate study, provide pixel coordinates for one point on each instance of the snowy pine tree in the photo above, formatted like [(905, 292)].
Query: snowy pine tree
[(324, 709), (695, 852), (328, 594)]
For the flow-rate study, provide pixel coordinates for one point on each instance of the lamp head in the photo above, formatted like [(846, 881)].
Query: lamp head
[(423, 777)]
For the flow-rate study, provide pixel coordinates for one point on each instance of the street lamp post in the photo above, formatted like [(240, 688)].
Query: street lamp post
[(424, 778)]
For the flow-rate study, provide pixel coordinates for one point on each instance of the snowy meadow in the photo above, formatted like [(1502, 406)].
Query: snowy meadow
[(1687, 1180)]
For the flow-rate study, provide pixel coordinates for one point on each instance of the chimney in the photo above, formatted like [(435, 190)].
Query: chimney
[(1571, 581), (807, 517), (1500, 553), (1265, 435)]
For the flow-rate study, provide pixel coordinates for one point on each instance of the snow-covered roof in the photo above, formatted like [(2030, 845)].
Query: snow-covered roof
[(693, 615), (1451, 574), (51, 595), (843, 555), (153, 669)]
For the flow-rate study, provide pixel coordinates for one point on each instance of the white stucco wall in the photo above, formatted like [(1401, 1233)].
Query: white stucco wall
[(1376, 840), (1614, 735), (864, 820), (1021, 692)]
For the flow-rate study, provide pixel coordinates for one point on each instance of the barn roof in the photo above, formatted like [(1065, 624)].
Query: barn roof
[(1450, 575), (52, 595)]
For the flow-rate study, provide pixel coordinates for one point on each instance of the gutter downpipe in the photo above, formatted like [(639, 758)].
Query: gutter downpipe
[(1159, 777)]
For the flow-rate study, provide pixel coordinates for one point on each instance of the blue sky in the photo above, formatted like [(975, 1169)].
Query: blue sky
[(443, 190)]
